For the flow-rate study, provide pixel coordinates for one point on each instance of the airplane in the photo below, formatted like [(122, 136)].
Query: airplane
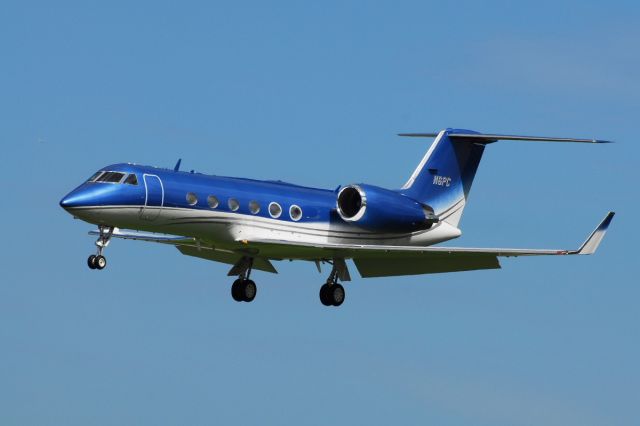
[(250, 223)]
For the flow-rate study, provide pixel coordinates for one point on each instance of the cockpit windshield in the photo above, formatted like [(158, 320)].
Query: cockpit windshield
[(114, 177), (94, 177), (110, 177)]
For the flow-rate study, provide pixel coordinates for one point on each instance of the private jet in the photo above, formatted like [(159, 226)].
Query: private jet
[(250, 224)]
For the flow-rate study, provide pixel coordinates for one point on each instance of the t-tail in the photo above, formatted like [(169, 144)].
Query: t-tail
[(443, 178)]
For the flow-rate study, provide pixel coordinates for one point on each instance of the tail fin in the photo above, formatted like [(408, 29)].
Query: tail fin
[(443, 178)]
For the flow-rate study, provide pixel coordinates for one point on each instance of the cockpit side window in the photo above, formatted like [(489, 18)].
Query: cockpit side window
[(94, 177), (111, 177), (131, 179)]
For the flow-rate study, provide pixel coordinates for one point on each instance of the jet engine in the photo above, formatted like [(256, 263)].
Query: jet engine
[(379, 209)]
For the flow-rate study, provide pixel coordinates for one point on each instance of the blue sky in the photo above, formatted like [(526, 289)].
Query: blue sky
[(314, 93)]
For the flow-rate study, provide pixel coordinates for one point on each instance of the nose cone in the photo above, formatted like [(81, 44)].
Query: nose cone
[(77, 198), (67, 201), (87, 201), (90, 195)]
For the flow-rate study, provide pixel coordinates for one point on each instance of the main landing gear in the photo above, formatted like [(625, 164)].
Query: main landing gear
[(98, 261), (332, 293), (243, 289)]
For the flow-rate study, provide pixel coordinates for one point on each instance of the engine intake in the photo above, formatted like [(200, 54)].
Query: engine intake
[(380, 209), (351, 202)]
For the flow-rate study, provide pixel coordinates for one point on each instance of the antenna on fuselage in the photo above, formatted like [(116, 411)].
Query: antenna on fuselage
[(177, 167)]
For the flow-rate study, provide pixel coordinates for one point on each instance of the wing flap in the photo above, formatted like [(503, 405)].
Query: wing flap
[(230, 258), (431, 264)]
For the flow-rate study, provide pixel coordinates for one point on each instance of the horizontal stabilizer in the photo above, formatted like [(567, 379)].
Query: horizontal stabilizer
[(488, 138)]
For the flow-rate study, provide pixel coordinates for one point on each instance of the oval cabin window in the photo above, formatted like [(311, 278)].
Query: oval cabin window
[(295, 212), (192, 199), (275, 210), (213, 201)]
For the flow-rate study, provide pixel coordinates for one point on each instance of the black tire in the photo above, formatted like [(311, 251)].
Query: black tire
[(100, 262), (249, 290), (325, 298), (337, 294), (91, 261), (236, 290)]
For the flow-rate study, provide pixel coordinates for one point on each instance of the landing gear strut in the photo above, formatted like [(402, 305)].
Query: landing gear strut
[(98, 261), (243, 289), (332, 293)]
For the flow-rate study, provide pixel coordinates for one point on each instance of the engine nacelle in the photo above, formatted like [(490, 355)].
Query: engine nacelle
[(380, 209)]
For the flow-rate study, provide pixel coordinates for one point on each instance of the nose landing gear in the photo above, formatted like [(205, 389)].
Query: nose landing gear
[(98, 261)]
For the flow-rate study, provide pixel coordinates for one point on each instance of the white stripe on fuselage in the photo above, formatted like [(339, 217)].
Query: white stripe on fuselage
[(227, 228)]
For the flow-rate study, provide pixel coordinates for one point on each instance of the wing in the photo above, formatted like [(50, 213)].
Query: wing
[(377, 260), (191, 247)]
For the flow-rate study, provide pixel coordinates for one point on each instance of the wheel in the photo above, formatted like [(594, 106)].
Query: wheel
[(100, 262), (91, 261), (249, 291), (236, 290), (336, 294), (324, 295)]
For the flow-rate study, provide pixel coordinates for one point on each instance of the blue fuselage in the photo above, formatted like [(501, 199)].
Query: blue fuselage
[(222, 210)]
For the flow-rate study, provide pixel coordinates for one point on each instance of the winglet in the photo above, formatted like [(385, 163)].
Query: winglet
[(591, 244), (177, 167)]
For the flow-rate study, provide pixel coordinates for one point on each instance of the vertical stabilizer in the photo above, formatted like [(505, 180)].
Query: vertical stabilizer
[(444, 176)]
